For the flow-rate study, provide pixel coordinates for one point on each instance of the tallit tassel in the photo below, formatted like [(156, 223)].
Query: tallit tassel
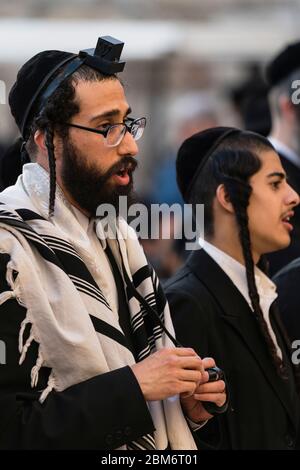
[(21, 333), (36, 369), (9, 274), (47, 390), (25, 348), (9, 294)]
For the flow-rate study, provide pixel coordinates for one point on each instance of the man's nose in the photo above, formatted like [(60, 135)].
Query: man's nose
[(292, 197), (128, 145)]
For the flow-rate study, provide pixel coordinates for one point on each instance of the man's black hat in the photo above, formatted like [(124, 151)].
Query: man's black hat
[(283, 64), (195, 152), (38, 79)]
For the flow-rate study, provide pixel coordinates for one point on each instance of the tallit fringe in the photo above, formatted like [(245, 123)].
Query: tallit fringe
[(13, 283), (48, 389), (23, 348), (21, 333), (14, 292), (36, 369), (4, 296)]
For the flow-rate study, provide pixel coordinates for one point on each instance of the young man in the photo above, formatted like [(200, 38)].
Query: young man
[(89, 363), (221, 303)]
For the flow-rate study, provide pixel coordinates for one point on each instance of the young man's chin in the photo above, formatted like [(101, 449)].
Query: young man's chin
[(279, 246)]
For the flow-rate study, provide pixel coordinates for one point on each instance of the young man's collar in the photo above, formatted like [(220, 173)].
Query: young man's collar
[(237, 272)]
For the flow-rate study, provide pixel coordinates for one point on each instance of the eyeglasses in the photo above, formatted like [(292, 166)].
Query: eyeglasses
[(114, 133)]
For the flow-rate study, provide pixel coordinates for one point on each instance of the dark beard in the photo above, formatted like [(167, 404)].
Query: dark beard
[(90, 187)]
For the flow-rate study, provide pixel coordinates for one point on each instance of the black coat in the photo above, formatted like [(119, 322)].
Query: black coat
[(281, 258), (103, 412), (211, 316), (288, 286)]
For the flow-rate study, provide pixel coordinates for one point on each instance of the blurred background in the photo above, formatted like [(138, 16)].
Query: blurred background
[(192, 64)]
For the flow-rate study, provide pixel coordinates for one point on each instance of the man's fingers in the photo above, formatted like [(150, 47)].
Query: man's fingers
[(190, 376), (190, 362), (217, 398), (208, 362), (184, 352), (212, 387)]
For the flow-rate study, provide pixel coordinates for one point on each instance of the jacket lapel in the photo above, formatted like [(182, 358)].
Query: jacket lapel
[(235, 310)]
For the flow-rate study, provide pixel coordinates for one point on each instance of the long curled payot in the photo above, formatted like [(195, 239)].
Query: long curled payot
[(49, 134), (239, 193)]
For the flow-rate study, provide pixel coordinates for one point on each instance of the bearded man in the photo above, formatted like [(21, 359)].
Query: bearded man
[(90, 356)]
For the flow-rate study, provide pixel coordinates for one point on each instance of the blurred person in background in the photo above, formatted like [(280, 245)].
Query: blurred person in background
[(250, 100), (282, 72), (189, 113)]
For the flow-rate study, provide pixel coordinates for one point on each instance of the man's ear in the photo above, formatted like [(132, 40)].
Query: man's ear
[(223, 199), (39, 139), (287, 108)]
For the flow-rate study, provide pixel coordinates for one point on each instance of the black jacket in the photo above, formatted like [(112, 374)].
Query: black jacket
[(288, 287), (211, 316), (103, 412)]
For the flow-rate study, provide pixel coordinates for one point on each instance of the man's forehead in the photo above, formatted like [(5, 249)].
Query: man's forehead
[(101, 97), (271, 162)]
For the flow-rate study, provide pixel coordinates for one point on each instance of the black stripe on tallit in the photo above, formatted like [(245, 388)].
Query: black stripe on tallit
[(108, 330), (34, 238), (65, 261), (138, 277), (27, 214)]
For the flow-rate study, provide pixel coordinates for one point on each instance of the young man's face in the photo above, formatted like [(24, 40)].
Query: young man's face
[(271, 204), (88, 169)]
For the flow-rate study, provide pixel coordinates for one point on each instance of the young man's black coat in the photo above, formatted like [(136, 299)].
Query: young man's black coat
[(211, 316)]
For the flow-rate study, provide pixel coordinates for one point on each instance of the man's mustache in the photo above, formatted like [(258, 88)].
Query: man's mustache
[(126, 163)]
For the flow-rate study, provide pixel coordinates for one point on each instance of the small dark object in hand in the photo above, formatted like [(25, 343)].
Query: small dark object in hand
[(215, 374)]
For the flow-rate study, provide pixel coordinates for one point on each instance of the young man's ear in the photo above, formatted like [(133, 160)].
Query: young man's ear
[(223, 199)]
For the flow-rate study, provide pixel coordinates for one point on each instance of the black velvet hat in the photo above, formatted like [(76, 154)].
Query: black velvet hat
[(194, 153), (31, 78), (38, 79), (283, 64)]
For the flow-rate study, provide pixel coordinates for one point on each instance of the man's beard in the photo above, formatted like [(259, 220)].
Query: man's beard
[(89, 186)]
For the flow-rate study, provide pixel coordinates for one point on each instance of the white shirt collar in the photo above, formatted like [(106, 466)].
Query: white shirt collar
[(285, 151), (237, 273)]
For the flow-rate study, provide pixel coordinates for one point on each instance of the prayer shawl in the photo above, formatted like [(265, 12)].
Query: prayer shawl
[(51, 273)]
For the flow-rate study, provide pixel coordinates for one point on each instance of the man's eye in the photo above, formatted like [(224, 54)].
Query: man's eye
[(275, 184), (103, 127)]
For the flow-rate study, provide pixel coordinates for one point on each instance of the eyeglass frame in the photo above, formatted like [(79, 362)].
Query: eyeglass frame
[(104, 133)]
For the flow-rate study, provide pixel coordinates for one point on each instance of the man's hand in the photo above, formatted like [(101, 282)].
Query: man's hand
[(169, 372), (206, 391)]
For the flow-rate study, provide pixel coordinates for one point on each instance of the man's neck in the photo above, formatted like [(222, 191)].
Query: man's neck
[(231, 246), (286, 136)]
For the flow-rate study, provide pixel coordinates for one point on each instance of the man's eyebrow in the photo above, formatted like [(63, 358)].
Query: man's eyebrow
[(109, 114), (279, 174)]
